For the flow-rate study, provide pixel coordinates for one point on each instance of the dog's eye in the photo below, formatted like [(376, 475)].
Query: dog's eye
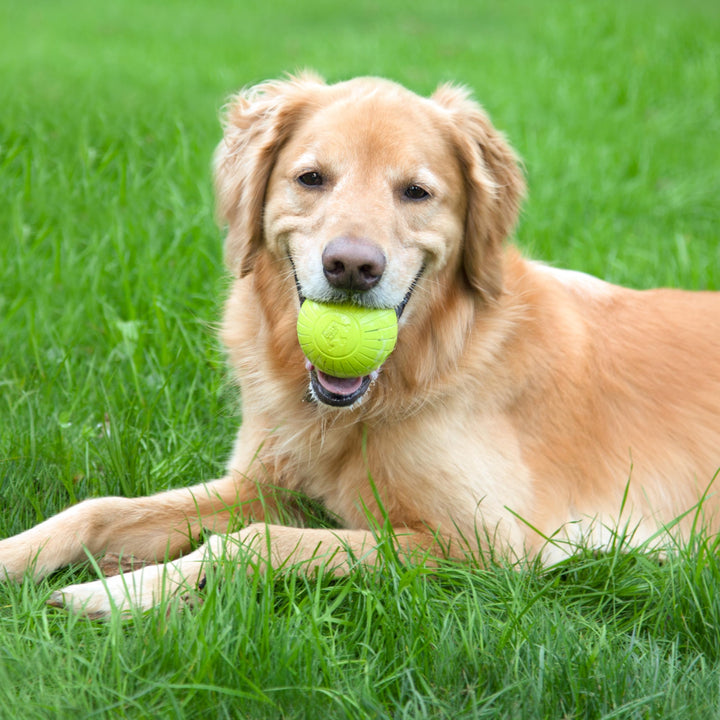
[(415, 192), (311, 179)]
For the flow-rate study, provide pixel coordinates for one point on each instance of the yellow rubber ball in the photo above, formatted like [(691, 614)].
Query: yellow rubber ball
[(346, 340)]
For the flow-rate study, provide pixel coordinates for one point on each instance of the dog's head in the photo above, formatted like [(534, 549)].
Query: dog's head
[(365, 190)]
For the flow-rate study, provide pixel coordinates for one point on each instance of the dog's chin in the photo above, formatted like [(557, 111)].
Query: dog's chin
[(338, 392)]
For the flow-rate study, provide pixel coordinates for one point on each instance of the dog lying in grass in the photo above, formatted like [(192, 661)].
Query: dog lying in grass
[(523, 407)]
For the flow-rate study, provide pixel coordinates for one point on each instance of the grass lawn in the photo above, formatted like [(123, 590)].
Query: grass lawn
[(111, 284)]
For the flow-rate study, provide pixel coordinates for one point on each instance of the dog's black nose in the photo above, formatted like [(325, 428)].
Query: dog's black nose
[(351, 263)]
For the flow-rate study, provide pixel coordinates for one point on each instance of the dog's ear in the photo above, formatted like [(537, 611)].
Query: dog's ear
[(494, 184), (257, 122)]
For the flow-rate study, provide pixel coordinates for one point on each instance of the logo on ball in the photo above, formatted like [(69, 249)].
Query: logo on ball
[(336, 334)]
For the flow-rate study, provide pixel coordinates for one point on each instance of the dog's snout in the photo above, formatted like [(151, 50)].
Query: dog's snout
[(353, 264)]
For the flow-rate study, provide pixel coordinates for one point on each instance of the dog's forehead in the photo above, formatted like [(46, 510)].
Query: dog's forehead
[(385, 121)]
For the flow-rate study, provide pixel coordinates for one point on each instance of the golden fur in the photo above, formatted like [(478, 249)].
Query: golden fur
[(521, 403)]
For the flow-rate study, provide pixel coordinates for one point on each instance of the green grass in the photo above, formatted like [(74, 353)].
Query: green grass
[(111, 284)]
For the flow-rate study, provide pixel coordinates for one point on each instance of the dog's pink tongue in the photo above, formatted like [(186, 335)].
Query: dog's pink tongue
[(339, 386)]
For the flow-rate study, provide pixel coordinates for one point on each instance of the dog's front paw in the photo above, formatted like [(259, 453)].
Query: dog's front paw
[(141, 590), (92, 599)]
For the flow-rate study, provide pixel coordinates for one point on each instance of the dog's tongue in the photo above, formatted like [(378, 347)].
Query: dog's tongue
[(339, 386)]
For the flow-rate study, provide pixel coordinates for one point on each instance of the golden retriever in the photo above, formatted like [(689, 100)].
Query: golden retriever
[(522, 409)]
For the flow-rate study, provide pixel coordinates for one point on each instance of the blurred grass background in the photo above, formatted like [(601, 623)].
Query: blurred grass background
[(111, 284)]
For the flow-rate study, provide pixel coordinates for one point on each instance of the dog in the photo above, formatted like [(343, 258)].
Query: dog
[(524, 408)]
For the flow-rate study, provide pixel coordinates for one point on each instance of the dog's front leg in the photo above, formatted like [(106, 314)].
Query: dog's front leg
[(146, 528), (336, 551)]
